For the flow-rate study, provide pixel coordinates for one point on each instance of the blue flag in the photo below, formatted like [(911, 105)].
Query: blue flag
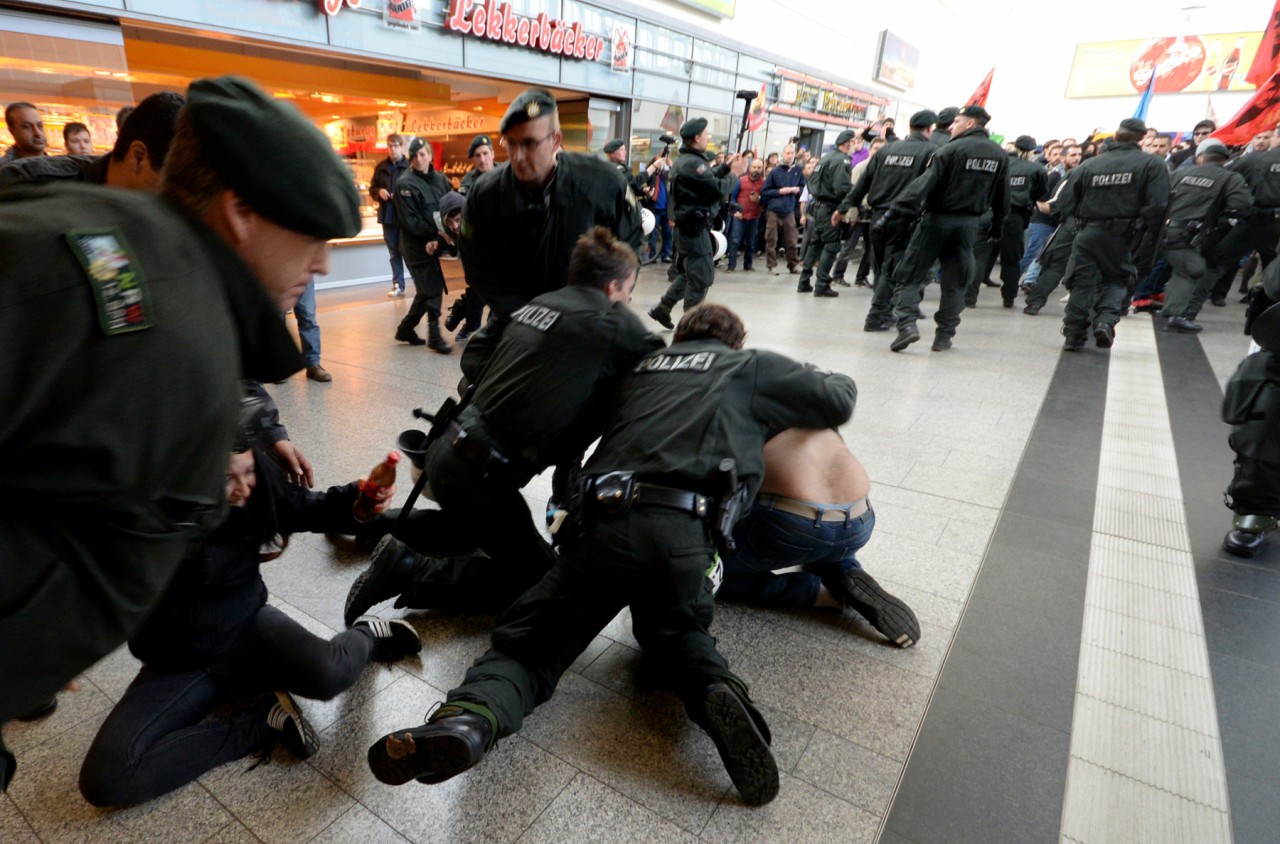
[(1141, 111)]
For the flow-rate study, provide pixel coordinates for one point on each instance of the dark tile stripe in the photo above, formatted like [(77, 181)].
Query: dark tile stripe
[(1240, 599), (990, 763)]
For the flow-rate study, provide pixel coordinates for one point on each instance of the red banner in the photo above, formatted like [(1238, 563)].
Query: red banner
[(1267, 59), (979, 97), (1260, 114)]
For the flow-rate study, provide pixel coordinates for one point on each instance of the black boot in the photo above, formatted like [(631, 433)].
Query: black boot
[(454, 740), (390, 570), (742, 738), (435, 342), (457, 312)]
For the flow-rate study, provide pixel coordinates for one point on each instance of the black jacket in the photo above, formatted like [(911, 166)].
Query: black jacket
[(967, 176), (385, 175), (418, 198), (889, 172), (1122, 183)]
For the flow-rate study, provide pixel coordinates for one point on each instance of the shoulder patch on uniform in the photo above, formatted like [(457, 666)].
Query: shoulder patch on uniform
[(119, 287), (702, 168)]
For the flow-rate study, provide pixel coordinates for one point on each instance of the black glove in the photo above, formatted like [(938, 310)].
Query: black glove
[(878, 227), (995, 233)]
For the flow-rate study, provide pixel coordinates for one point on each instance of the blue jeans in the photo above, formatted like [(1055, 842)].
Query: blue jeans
[(742, 233), (661, 230), (1037, 235), (770, 539), (391, 237), (308, 329), (1155, 281)]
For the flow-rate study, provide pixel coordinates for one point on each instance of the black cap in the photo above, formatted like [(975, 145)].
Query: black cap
[(612, 146), (946, 116), (923, 119), (477, 142), (417, 144), (1026, 143), (693, 127), (845, 136), (530, 105), (451, 204), (977, 112), (1133, 124), (256, 143)]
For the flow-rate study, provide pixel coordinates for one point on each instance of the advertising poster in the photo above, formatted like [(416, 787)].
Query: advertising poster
[(1182, 65)]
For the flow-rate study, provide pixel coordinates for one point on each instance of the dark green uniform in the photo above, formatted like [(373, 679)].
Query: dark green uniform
[(120, 383), (828, 185), (417, 198), (1201, 198), (965, 179), (1112, 195), (541, 399), (889, 172), (468, 181), (39, 169), (1055, 255), (1251, 406), (683, 411), (1260, 231), (1028, 184), (698, 190)]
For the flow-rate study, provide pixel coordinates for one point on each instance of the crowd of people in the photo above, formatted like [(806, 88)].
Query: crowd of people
[(715, 466)]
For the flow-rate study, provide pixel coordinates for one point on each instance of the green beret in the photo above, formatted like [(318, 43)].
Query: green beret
[(477, 142), (273, 158), (923, 119), (977, 112), (947, 116), (532, 104), (417, 144), (612, 146), (1026, 143), (693, 127), (845, 136), (1133, 124)]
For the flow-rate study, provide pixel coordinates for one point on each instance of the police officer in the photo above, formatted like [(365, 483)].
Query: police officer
[(887, 175), (1251, 406), (1115, 195), (480, 151), (1027, 186), (418, 195), (698, 191), (827, 186), (941, 135), (117, 426), (520, 227), (540, 399), (1203, 199), (642, 536), (1259, 232), (965, 178)]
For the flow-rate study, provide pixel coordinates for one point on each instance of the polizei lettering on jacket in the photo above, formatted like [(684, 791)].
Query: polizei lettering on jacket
[(537, 317), (1106, 180), (983, 165), (697, 362), (899, 160), (1197, 182), (1017, 181)]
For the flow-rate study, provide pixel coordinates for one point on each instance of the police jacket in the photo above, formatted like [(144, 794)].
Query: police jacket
[(1122, 183), (830, 180), (516, 242), (1207, 192), (889, 171), (687, 407), (469, 181), (940, 137), (385, 175), (1028, 183), (544, 390), (418, 198), (1251, 405), (1261, 171), (967, 176), (782, 176), (699, 189), (38, 169), (213, 599)]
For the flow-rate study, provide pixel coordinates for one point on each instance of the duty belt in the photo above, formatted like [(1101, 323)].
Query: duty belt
[(615, 493)]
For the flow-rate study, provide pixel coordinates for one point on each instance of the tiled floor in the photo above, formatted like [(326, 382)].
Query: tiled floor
[(959, 498)]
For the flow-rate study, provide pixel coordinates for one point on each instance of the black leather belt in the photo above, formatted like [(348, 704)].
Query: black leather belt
[(663, 496)]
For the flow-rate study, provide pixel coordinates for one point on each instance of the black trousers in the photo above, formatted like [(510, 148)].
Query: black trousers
[(1054, 261), (693, 272), (651, 559), (1250, 235), (428, 296), (888, 245), (1102, 275), (948, 239)]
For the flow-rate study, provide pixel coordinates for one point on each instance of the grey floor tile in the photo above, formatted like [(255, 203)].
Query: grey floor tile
[(851, 632), (233, 833), (801, 813), (113, 674), (590, 812), (849, 771), (930, 568), (358, 824), (450, 643), (74, 708), (13, 826)]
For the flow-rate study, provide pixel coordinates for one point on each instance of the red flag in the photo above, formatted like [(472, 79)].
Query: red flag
[(1261, 113), (979, 97), (1267, 59)]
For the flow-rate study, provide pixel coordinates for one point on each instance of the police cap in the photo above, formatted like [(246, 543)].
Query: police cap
[(477, 142), (612, 146), (845, 136), (1212, 146), (924, 119), (256, 143), (415, 145), (947, 116), (530, 105), (1025, 143), (1133, 124), (977, 112), (693, 127)]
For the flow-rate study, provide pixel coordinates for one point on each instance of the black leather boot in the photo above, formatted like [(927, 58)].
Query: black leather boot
[(454, 740)]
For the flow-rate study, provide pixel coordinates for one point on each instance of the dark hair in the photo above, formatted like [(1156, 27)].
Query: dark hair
[(711, 322), (73, 128), (599, 258), (1128, 136), (122, 115), (395, 138), (153, 123), (1205, 124), (12, 107), (188, 178)]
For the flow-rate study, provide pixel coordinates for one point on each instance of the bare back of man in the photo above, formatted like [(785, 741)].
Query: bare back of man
[(813, 465)]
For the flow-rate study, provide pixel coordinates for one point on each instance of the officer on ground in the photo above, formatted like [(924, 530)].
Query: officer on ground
[(887, 175), (480, 151), (1027, 186), (698, 191), (117, 426), (827, 186), (540, 400), (1204, 199), (1115, 195), (686, 433), (965, 178), (1259, 232)]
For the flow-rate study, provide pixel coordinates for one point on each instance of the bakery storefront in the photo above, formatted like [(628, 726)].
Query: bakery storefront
[(444, 70)]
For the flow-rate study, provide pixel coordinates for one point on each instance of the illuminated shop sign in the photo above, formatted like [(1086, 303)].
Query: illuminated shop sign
[(498, 23), (331, 7)]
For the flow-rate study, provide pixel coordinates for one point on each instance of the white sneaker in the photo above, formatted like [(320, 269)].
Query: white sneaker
[(1066, 298)]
